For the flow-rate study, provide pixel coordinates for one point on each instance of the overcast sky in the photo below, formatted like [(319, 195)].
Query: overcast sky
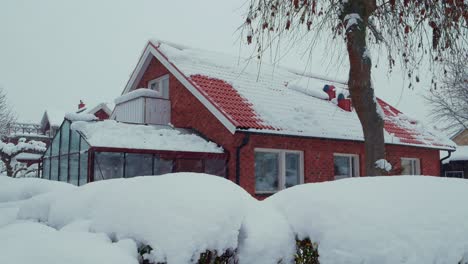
[(54, 52)]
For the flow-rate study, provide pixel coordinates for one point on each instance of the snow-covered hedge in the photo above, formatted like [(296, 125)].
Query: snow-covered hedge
[(196, 218)]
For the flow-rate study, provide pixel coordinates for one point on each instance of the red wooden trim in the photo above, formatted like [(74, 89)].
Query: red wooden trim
[(164, 153)]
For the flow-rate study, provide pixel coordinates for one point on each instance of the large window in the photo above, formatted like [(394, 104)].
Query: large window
[(138, 164), (215, 167), (345, 165), (162, 166), (73, 168), (410, 166), (454, 174), (108, 165), (277, 169), (189, 165), (161, 86)]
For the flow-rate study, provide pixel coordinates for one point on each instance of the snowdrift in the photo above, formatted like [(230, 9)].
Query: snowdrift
[(365, 220)]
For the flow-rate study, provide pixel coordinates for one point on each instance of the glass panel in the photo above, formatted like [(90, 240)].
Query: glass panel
[(64, 138), (266, 171), (73, 170), (342, 165), (74, 141), (162, 166), (188, 165), (407, 167), (83, 168), (46, 168), (63, 168), (56, 145), (165, 87), (138, 164), (293, 169), (215, 167), (47, 153), (108, 165), (83, 145), (54, 168)]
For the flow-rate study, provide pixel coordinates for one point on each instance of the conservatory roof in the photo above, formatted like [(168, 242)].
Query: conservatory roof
[(113, 134), (275, 100)]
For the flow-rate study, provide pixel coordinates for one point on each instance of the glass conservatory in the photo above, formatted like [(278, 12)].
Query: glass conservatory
[(83, 152)]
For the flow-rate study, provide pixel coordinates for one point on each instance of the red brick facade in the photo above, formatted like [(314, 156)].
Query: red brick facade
[(188, 112)]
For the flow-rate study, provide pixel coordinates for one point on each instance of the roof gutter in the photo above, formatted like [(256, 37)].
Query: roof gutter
[(245, 141), (448, 156)]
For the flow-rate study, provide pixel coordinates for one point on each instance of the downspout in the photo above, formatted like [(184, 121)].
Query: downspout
[(245, 141), (442, 161)]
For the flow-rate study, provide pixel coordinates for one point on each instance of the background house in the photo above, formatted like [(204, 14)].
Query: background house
[(456, 164), (277, 127)]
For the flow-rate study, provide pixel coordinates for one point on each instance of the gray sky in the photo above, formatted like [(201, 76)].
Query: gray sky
[(55, 52)]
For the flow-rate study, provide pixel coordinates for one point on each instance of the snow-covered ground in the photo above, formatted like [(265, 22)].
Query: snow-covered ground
[(364, 220)]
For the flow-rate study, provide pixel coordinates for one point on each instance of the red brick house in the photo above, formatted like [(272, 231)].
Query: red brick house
[(277, 127)]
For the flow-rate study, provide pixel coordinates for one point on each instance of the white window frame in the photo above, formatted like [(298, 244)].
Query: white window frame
[(282, 167), (355, 165), (163, 93), (462, 173), (417, 162)]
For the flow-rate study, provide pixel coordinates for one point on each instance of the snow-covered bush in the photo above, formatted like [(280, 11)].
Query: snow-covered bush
[(8, 151)]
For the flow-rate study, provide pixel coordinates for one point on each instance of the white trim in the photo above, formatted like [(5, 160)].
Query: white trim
[(417, 163), (162, 92), (143, 64), (354, 166), (282, 167)]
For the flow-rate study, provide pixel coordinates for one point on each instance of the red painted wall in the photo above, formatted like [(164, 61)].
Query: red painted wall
[(188, 112), (101, 114)]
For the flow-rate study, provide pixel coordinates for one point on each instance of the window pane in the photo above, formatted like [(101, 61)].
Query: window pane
[(83, 145), (108, 165), (293, 168), (162, 166), (83, 168), (46, 168), (74, 161), (215, 167), (74, 141), (54, 168), (56, 145), (63, 168), (266, 171), (138, 165), (407, 167), (188, 165), (47, 153), (342, 167), (64, 139)]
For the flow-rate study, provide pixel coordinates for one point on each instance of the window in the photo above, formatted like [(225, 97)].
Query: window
[(64, 138), (277, 169), (215, 167), (138, 164), (63, 168), (46, 168), (108, 165), (83, 168), (188, 165), (450, 174), (162, 166), (73, 168), (160, 85), (346, 165), (410, 166)]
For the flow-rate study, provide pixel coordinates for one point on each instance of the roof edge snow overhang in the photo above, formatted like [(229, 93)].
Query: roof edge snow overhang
[(280, 133), (152, 50)]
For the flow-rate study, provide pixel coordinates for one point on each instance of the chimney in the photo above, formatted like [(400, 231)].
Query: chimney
[(81, 105), (344, 103), (330, 90)]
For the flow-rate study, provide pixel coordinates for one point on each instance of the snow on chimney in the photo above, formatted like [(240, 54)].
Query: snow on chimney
[(81, 105), (330, 90), (344, 103)]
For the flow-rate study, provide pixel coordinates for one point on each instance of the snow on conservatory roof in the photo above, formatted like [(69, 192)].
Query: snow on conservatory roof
[(113, 134), (276, 100)]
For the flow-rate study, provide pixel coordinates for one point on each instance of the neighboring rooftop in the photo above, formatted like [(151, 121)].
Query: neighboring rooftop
[(113, 134), (276, 100)]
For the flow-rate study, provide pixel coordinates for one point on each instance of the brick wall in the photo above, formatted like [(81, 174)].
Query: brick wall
[(188, 112)]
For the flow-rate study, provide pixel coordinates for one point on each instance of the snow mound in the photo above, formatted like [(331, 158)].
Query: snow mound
[(26, 243), (178, 215), (384, 220), (80, 117), (309, 87), (383, 164)]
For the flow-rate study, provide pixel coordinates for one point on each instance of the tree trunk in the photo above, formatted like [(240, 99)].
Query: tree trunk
[(360, 85), (8, 167)]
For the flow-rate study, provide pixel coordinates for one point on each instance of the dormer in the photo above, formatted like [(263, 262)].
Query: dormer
[(148, 105)]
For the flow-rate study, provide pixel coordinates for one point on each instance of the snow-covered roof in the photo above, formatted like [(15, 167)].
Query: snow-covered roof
[(141, 92), (28, 156), (461, 153), (113, 134), (106, 107), (273, 99)]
